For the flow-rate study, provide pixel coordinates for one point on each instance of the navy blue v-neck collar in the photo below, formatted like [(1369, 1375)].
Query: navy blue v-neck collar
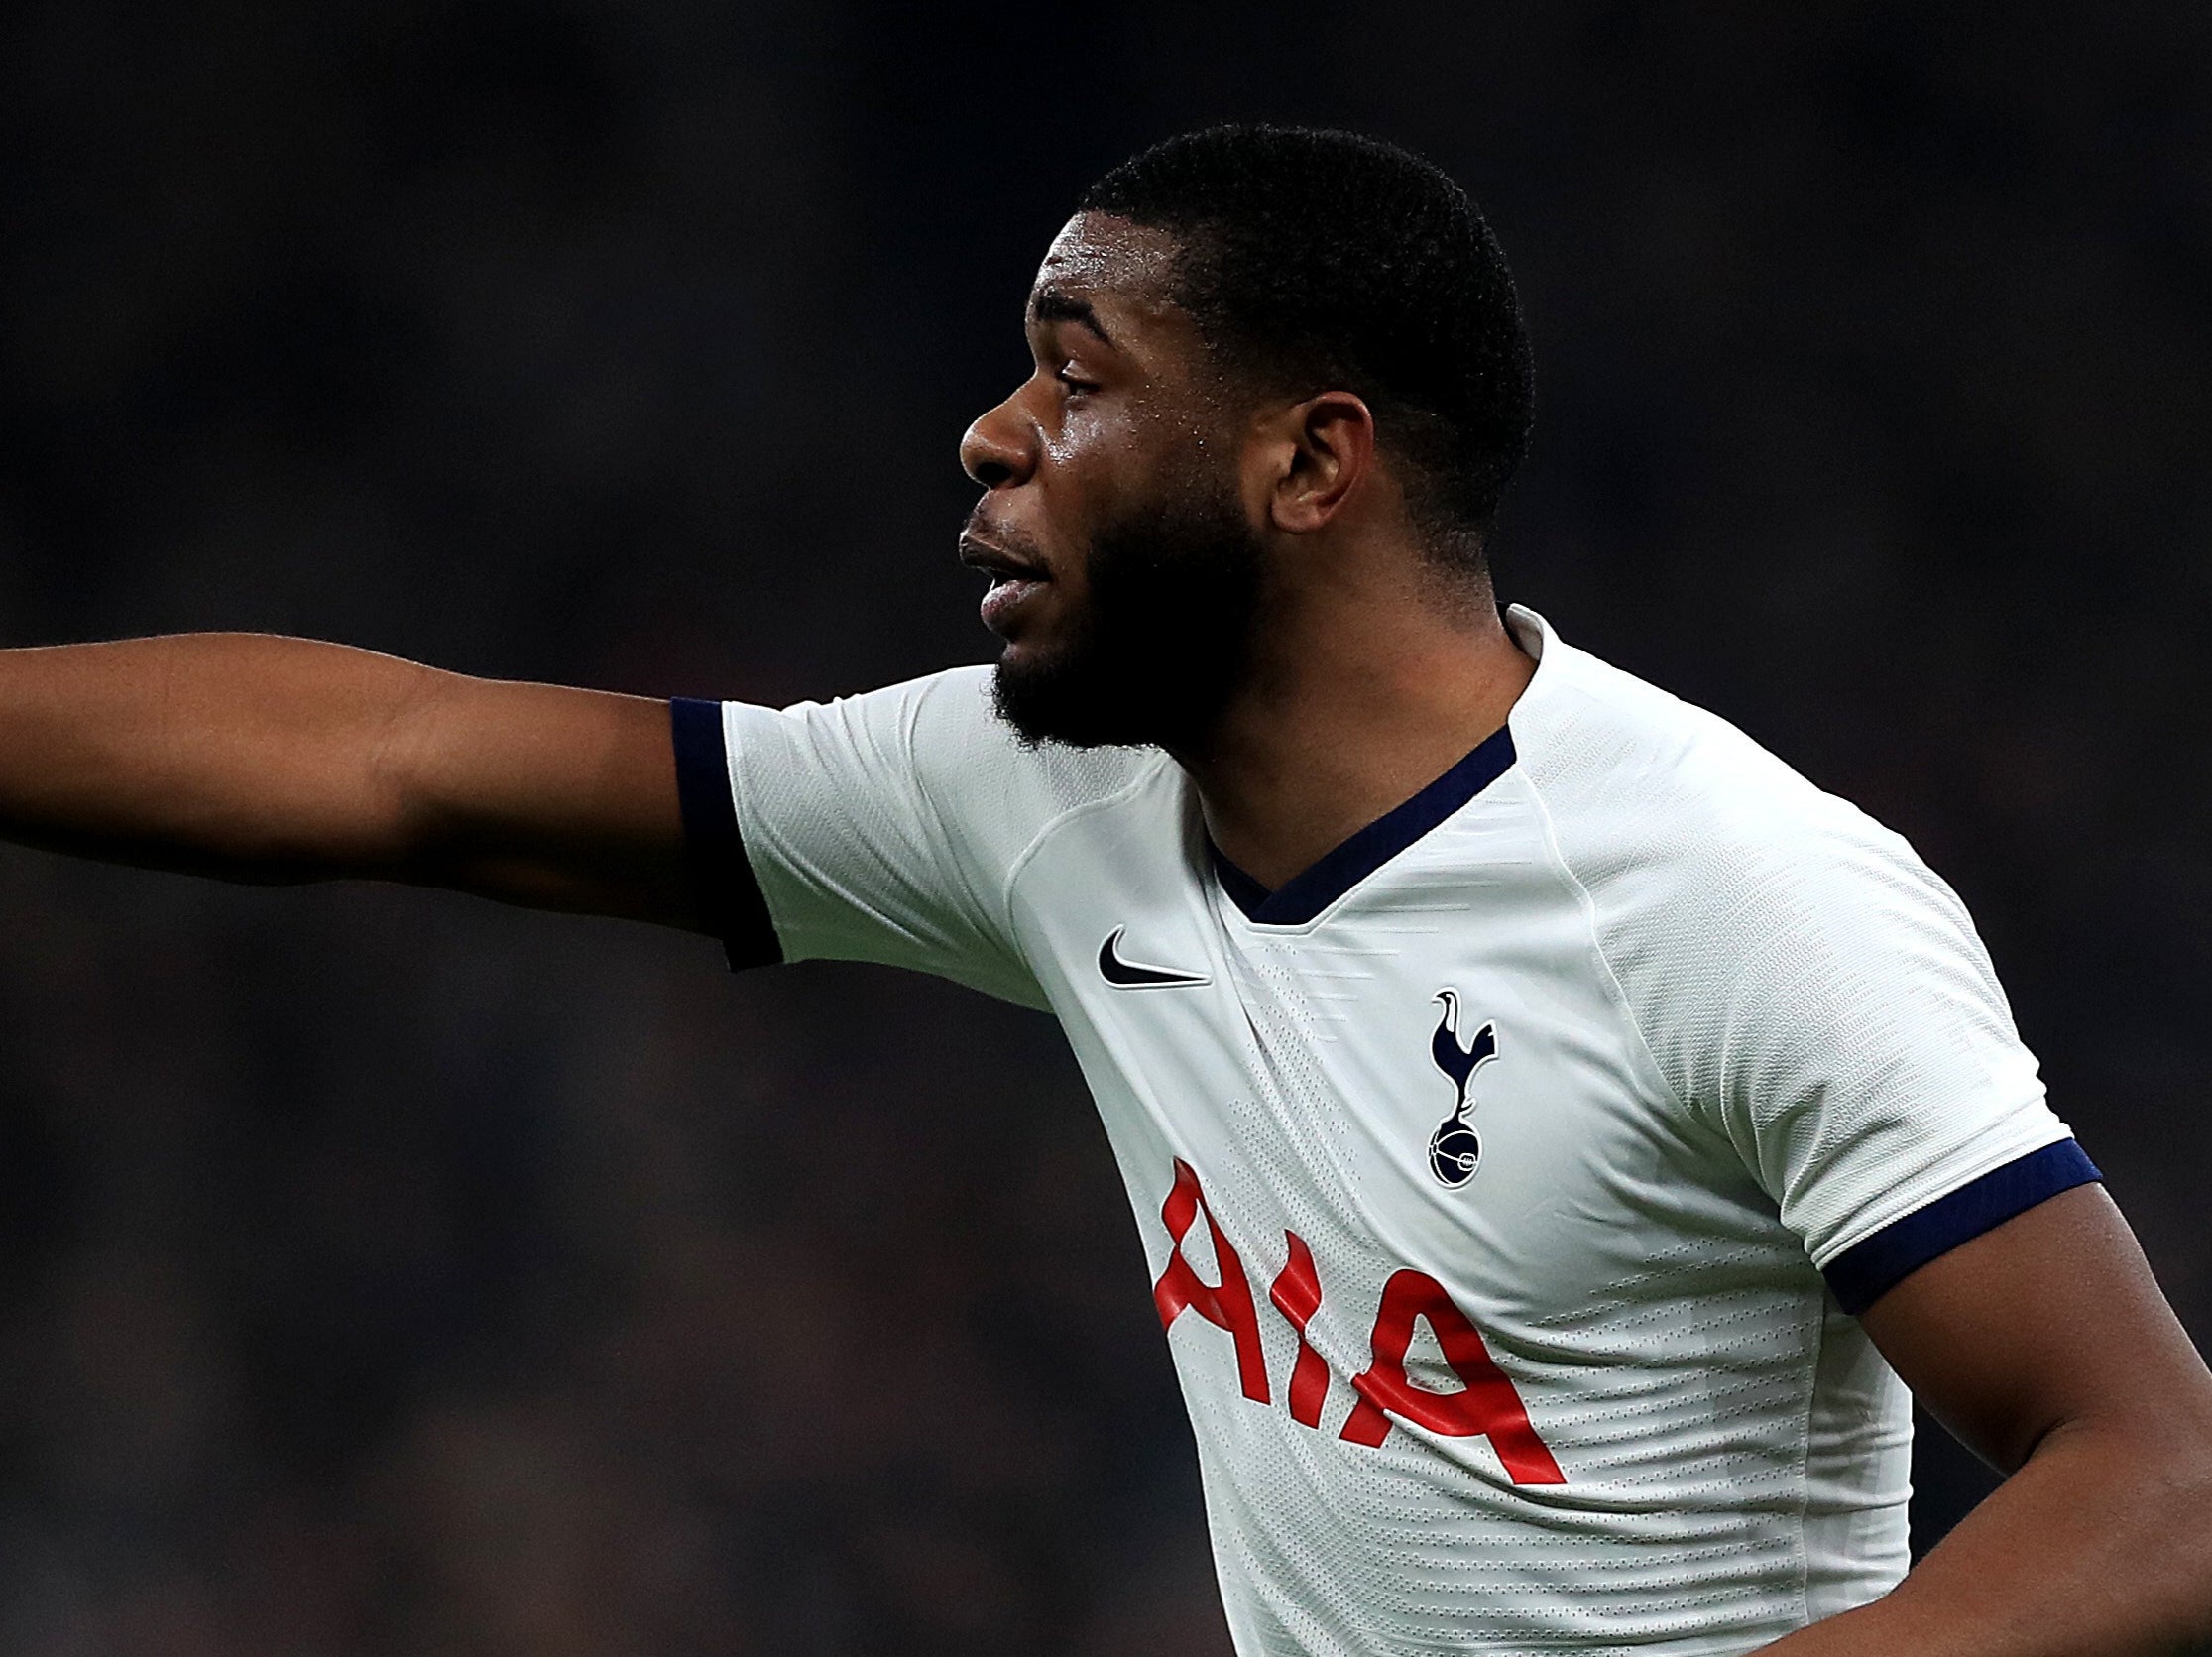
[(1311, 891)]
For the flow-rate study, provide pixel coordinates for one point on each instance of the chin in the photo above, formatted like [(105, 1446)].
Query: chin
[(1045, 703)]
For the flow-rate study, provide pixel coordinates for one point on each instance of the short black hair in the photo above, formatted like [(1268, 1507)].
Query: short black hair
[(1313, 259)]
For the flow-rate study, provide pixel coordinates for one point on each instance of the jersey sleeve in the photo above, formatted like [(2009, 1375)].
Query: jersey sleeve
[(1812, 992), (878, 827), (1835, 1016)]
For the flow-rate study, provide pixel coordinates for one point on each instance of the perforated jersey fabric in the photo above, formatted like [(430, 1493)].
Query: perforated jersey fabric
[(1486, 1206), (1805, 982)]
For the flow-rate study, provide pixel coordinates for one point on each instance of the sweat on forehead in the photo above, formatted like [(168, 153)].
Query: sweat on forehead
[(1096, 255)]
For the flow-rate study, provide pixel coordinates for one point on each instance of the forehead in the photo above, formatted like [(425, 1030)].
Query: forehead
[(1120, 269)]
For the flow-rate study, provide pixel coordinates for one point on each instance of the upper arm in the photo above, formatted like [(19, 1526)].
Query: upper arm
[(2049, 1319), (541, 794), (256, 758), (880, 827), (1859, 1053)]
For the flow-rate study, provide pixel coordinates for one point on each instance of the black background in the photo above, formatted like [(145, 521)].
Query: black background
[(383, 1274)]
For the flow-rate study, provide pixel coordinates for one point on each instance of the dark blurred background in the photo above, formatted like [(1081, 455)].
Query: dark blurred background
[(383, 1274)]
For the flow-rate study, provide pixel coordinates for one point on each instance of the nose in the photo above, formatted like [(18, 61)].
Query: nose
[(999, 449)]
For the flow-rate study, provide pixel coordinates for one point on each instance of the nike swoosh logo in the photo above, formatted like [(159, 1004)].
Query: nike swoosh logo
[(1135, 975)]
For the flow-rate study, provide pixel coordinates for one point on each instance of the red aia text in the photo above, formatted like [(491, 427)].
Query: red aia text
[(1489, 1407)]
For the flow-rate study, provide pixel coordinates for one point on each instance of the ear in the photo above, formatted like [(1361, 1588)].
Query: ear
[(1317, 452)]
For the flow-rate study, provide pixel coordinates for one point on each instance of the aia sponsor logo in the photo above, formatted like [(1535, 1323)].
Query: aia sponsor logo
[(1487, 1406), (1454, 1148)]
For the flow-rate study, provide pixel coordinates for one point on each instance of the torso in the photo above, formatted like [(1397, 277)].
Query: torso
[(1636, 1463)]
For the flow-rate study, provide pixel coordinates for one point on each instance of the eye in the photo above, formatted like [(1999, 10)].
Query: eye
[(1074, 383)]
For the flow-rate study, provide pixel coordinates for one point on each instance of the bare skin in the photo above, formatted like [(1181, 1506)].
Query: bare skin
[(2046, 1347), (1375, 674), (2044, 1343), (279, 760)]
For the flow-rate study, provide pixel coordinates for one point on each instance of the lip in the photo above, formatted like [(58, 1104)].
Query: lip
[(1016, 582), (998, 562), (1001, 607)]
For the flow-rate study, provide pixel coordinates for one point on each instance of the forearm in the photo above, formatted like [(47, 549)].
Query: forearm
[(2099, 1545), (231, 753)]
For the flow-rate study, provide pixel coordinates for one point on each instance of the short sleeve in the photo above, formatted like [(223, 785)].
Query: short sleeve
[(878, 827), (1842, 1026), (1816, 1001)]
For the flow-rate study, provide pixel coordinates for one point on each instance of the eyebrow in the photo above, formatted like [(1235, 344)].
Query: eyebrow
[(1053, 305)]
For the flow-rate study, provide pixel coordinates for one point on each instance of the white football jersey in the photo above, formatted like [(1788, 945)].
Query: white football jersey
[(1509, 1179)]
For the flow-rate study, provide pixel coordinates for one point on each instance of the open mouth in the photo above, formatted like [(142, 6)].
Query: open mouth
[(1014, 581), (998, 562)]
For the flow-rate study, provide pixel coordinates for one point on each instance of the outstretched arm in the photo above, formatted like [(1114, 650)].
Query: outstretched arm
[(277, 760), (2046, 1347)]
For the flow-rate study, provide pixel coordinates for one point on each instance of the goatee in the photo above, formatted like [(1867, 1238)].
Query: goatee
[(1164, 639)]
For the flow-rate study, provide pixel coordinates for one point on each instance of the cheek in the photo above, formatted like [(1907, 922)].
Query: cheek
[(1082, 436), (1090, 464), (1116, 448)]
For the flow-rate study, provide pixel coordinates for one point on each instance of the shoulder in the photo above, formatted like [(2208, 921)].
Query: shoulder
[(1809, 989), (964, 754), (1656, 804), (933, 748), (1746, 914)]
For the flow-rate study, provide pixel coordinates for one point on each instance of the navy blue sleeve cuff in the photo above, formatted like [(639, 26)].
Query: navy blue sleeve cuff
[(1864, 1272), (722, 875)]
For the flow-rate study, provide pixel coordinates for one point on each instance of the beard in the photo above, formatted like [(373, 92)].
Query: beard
[(1165, 637)]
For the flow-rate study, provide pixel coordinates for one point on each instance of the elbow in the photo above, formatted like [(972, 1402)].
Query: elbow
[(2169, 1468), (302, 847), (2192, 1517)]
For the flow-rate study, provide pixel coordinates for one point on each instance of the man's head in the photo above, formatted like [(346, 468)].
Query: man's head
[(1246, 339)]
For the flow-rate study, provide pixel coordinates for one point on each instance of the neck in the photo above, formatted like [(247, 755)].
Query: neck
[(1361, 695)]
